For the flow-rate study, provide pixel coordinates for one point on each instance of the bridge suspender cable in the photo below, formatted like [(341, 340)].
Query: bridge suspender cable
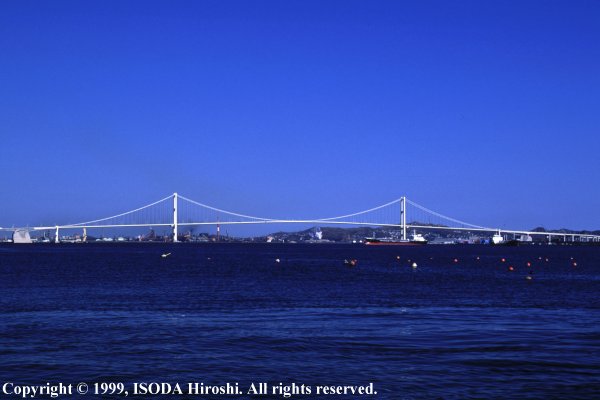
[(275, 219), (361, 212), (122, 214), (445, 217), (224, 211)]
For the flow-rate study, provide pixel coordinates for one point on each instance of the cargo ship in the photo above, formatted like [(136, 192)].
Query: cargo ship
[(414, 239)]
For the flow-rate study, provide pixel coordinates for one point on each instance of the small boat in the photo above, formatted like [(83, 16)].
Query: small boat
[(351, 263), (497, 238), (165, 255), (414, 239)]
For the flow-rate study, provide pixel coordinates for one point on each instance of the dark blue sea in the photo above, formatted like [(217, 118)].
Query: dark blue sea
[(461, 325)]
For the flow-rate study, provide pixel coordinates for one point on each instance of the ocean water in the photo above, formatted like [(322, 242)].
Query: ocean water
[(459, 326)]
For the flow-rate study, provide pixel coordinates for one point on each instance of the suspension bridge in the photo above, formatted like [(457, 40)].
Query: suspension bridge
[(177, 212)]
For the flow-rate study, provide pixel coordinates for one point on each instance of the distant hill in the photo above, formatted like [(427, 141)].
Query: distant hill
[(337, 234), (566, 231)]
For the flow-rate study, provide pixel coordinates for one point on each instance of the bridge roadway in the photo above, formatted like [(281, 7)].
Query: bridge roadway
[(587, 237)]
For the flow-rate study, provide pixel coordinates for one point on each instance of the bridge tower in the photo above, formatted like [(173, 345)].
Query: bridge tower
[(175, 217), (56, 239), (403, 216)]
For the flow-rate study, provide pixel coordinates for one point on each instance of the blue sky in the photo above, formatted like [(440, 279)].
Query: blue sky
[(484, 111)]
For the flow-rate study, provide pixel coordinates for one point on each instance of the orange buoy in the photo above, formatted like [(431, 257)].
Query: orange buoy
[(456, 260), (510, 268), (574, 264), (528, 264), (503, 260)]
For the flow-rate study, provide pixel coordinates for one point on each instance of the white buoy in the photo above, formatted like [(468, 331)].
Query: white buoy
[(277, 260), (414, 265)]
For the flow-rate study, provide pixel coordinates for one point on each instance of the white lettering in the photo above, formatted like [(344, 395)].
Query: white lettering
[(5, 387)]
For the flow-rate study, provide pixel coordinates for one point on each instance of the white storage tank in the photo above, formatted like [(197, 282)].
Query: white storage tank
[(21, 236)]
